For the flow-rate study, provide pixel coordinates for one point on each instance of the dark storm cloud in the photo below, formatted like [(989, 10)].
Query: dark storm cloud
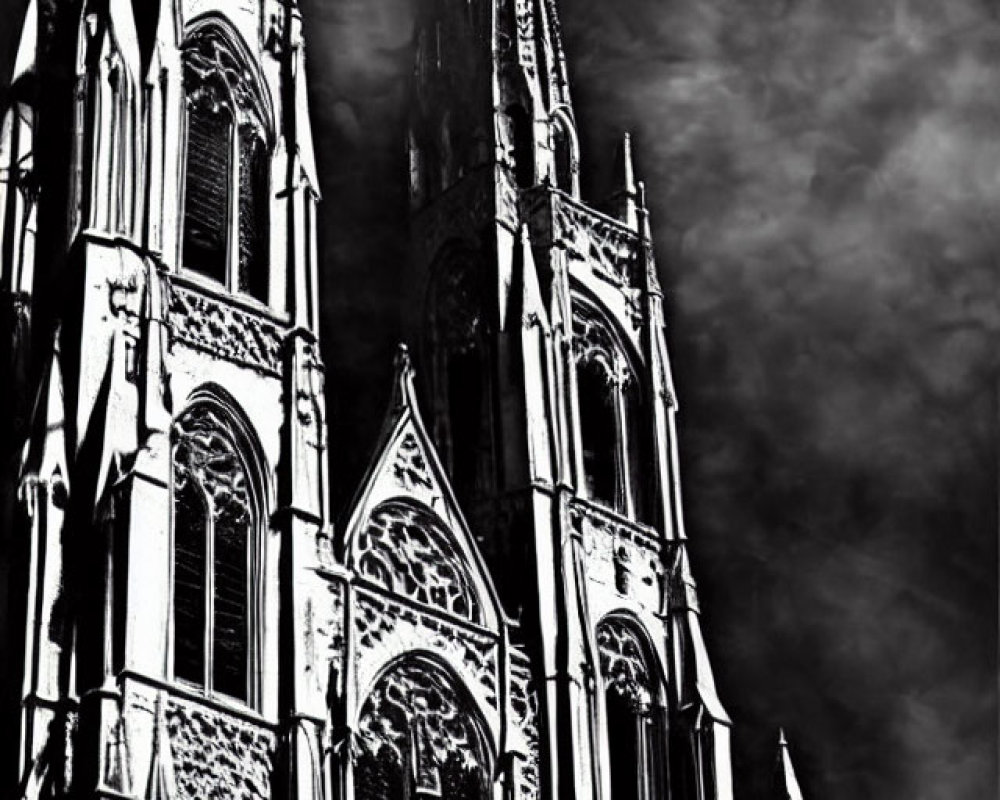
[(825, 182), (825, 178)]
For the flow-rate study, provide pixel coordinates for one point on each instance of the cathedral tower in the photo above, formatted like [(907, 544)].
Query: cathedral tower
[(159, 288), (507, 611), (540, 326)]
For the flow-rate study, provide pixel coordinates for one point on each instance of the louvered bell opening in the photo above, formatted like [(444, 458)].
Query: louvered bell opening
[(254, 218), (598, 429), (231, 606), (190, 527), (206, 200)]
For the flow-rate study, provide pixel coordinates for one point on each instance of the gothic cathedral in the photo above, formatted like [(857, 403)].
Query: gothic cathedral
[(505, 611)]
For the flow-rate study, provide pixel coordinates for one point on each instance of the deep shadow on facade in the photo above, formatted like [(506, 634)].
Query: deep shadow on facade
[(507, 610)]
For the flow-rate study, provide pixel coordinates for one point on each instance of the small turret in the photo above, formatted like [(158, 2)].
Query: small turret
[(624, 199)]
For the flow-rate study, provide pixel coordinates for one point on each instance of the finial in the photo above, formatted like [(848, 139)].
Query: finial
[(628, 168), (623, 199), (403, 375), (782, 741), (402, 361)]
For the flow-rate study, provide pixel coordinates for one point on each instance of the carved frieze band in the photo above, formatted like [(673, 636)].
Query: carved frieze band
[(588, 236), (225, 330), (622, 554), (215, 752), (383, 624), (524, 703)]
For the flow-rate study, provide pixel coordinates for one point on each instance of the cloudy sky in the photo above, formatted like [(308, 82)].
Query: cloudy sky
[(824, 178)]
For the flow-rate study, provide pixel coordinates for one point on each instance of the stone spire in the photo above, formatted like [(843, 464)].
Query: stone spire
[(786, 784)]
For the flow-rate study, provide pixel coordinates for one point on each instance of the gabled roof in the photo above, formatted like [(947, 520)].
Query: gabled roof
[(405, 469)]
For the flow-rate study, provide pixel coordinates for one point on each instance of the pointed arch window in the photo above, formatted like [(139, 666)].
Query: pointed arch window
[(226, 167), (616, 450), (419, 738), (636, 717), (564, 155), (215, 522), (599, 432)]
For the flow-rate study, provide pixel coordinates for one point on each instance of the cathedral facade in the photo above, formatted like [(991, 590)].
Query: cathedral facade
[(505, 610)]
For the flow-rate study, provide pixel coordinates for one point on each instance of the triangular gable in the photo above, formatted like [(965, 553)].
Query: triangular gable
[(405, 473)]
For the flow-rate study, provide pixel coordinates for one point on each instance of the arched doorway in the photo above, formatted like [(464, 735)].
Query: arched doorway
[(419, 737)]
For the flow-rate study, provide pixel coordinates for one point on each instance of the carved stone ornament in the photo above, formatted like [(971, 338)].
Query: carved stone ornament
[(606, 245), (386, 627), (204, 453), (624, 665), (214, 753), (593, 343), (410, 467), (524, 703), (215, 79), (405, 549), (414, 723), (225, 330), (525, 21)]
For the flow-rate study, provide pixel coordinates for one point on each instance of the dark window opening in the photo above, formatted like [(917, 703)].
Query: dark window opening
[(599, 434), (624, 750), (418, 739), (230, 600), (521, 135), (206, 193), (640, 454), (213, 524), (563, 159), (707, 747), (379, 777), (466, 418), (461, 781), (253, 218), (190, 527)]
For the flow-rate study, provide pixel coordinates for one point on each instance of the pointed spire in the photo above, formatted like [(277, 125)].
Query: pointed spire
[(27, 49), (645, 231), (786, 783), (402, 382), (623, 200)]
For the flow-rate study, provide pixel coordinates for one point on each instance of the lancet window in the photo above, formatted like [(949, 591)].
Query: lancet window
[(419, 737), (636, 721), (227, 167), (215, 520), (616, 450)]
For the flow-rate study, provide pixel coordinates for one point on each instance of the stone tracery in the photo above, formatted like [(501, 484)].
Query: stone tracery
[(405, 549), (215, 78), (624, 664), (415, 722)]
